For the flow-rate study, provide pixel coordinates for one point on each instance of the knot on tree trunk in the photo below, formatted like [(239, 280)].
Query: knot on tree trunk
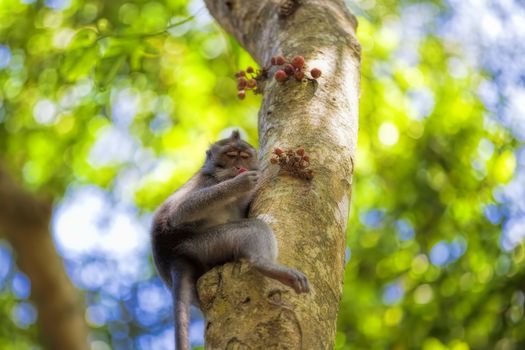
[(264, 315)]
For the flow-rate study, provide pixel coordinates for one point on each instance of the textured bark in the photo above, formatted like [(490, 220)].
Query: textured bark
[(243, 310), (24, 220)]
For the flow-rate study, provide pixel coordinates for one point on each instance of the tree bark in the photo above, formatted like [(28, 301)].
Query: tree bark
[(243, 310), (24, 220)]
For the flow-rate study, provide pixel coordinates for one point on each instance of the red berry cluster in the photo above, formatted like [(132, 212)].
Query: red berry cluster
[(294, 163), (245, 82), (294, 68)]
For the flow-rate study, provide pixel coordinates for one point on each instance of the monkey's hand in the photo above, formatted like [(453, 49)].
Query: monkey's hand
[(246, 181)]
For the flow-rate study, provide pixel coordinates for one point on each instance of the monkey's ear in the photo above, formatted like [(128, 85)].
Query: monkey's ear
[(235, 135)]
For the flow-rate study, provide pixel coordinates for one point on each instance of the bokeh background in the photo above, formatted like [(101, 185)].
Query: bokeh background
[(108, 106)]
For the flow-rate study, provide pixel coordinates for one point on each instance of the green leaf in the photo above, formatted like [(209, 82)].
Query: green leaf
[(85, 37), (79, 63)]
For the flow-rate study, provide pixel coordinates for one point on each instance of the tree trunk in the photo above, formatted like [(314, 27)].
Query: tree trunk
[(243, 310), (24, 220)]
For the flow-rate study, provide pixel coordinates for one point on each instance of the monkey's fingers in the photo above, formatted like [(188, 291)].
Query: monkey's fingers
[(305, 284), (303, 280), (254, 179), (298, 281)]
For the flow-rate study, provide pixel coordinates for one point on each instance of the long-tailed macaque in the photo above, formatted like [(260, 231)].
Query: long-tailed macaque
[(205, 224)]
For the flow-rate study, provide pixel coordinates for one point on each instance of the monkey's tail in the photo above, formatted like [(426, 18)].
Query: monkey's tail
[(183, 285)]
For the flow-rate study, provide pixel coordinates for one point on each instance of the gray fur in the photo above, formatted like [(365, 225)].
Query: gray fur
[(205, 224)]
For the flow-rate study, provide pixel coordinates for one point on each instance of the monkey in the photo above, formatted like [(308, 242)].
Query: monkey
[(205, 223)]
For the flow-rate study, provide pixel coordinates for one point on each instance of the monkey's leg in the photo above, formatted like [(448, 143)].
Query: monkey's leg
[(259, 247), (250, 239)]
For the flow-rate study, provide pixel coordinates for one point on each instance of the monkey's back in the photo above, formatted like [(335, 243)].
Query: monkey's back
[(165, 238)]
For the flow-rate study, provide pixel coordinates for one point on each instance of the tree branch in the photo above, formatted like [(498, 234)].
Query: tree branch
[(24, 219)]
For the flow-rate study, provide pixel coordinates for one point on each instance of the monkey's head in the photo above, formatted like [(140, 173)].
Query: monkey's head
[(227, 157)]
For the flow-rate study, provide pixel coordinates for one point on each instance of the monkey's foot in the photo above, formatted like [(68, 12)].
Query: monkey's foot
[(294, 279), (290, 277)]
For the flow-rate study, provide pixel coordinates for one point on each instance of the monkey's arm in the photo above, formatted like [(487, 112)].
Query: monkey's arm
[(198, 203), (194, 203)]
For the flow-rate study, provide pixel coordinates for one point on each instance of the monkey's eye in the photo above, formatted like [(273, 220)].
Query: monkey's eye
[(232, 154), (245, 155)]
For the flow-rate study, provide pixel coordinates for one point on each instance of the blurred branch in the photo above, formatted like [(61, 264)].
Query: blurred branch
[(24, 219), (19, 209), (148, 35)]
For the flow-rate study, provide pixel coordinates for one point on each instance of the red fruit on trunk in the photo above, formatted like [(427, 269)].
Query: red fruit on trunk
[(300, 152), (316, 73), (241, 83), (241, 94), (279, 60), (299, 75), (298, 62), (289, 69), (278, 151), (280, 76)]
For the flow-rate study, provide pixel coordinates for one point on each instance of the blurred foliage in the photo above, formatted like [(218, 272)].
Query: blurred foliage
[(427, 269), (125, 96)]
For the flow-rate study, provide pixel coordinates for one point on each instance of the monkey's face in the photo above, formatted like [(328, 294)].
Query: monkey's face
[(227, 157)]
